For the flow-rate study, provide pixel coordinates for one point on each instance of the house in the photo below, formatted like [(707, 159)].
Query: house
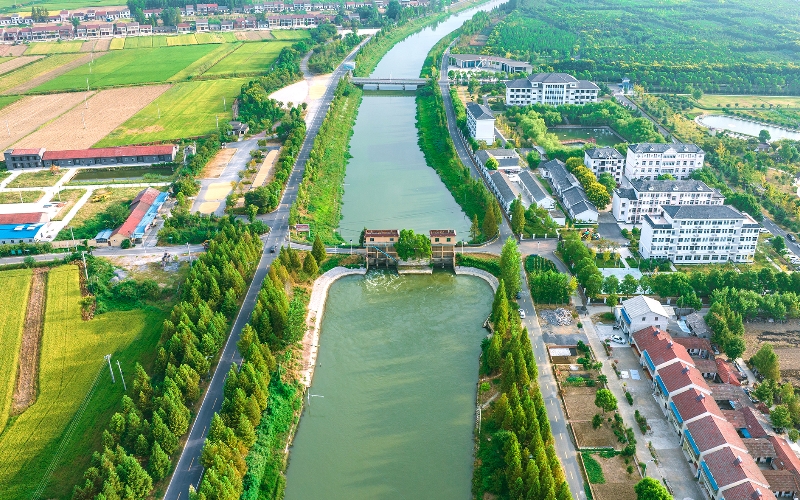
[(674, 377), (708, 435), (760, 449), (226, 25), (484, 62), (143, 210), (145, 29), (530, 186), (782, 483), (692, 234), (239, 129), (605, 160), (381, 237), (649, 160), (184, 27), (12, 234), (697, 325), (700, 347), (554, 89), (571, 194), (726, 373), (480, 122), (725, 469), (785, 457), (201, 25), (24, 158), (690, 406), (499, 185), (640, 312), (507, 159), (37, 158), (641, 197), (657, 350)]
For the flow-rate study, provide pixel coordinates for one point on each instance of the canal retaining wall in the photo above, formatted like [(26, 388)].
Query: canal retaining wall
[(480, 273), (316, 308)]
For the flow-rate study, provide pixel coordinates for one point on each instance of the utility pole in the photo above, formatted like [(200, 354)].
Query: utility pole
[(121, 376), (108, 358)]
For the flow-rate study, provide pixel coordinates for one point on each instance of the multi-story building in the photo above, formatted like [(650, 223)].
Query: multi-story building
[(480, 122), (645, 197), (605, 160), (550, 88), (692, 234), (649, 160)]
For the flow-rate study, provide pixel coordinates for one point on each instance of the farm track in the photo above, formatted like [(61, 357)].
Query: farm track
[(28, 370), (35, 82)]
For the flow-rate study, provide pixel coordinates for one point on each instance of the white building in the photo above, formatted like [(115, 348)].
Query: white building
[(484, 62), (605, 160), (507, 159), (630, 204), (534, 191), (499, 185), (550, 88), (692, 234), (649, 160), (480, 122), (573, 198), (640, 312)]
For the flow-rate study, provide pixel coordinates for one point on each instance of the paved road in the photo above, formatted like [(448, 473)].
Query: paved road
[(230, 174), (777, 231), (189, 470)]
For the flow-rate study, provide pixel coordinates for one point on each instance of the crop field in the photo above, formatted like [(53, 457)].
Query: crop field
[(72, 353), (29, 113), (187, 39), (249, 59), (11, 64), (40, 178), (17, 286), (201, 65), (35, 70), (711, 101), (187, 109), (12, 50), (6, 100), (55, 5), (83, 126), (117, 44), (47, 48), (139, 42), (291, 34), (129, 67)]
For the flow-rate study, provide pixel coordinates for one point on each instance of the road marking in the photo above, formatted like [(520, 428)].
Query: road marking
[(561, 436), (190, 464)]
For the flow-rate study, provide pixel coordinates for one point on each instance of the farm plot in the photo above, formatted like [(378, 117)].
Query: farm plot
[(47, 48), (139, 42), (291, 34), (117, 44), (17, 62), (188, 109), (17, 286), (41, 178), (618, 482), (81, 127), (188, 39), (29, 113), (6, 100), (249, 59), (12, 50), (129, 67), (248, 36), (102, 45), (72, 353), (201, 65), (785, 340), (42, 69)]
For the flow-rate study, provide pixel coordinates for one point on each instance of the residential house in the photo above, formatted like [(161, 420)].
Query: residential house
[(531, 188), (499, 185), (640, 312), (507, 159), (605, 160), (480, 122)]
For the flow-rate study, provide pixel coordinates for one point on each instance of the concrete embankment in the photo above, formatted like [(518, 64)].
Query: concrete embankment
[(480, 273)]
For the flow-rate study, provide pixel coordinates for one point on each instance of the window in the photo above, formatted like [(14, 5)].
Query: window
[(437, 240), (372, 239)]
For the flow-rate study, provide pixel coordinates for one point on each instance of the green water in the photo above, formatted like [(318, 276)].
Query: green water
[(603, 136), (85, 176), (397, 369)]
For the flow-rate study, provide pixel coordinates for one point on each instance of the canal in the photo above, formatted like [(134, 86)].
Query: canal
[(388, 184), (397, 369)]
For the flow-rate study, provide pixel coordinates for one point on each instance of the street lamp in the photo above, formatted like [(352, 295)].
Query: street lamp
[(351, 246)]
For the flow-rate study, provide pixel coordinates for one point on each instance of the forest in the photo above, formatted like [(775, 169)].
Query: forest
[(747, 46)]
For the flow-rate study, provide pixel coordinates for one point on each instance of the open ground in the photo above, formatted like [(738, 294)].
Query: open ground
[(16, 62), (100, 200), (712, 101), (83, 126)]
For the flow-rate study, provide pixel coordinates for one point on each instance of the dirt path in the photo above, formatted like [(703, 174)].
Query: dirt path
[(28, 371)]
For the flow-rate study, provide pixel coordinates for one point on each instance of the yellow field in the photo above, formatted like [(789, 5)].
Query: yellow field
[(46, 48), (117, 44), (17, 286), (34, 70), (31, 112)]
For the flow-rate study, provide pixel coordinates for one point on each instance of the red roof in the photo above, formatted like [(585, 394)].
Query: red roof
[(109, 152), (754, 426), (382, 233), (26, 152), (749, 491), (786, 457), (146, 196), (709, 433), (665, 351), (442, 232), (694, 343), (727, 372), (648, 336), (133, 220), (23, 218), (679, 375), (729, 466), (693, 403)]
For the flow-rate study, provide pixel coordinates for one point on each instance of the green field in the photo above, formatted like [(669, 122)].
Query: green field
[(30, 71), (710, 101), (187, 109), (41, 178), (46, 48), (6, 100), (139, 42), (129, 67), (71, 357), (17, 285), (201, 65), (250, 58), (291, 34)]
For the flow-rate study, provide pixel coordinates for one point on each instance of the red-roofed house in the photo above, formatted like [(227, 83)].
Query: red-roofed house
[(676, 378), (784, 484), (726, 373), (707, 435), (24, 218), (111, 156), (785, 457), (748, 491), (689, 406), (755, 427), (657, 350), (727, 468)]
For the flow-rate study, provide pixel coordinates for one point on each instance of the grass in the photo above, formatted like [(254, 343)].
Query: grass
[(593, 469), (47, 48), (41, 178), (14, 196), (129, 67), (202, 65), (35, 69), (711, 101), (99, 203), (321, 200), (291, 34), (117, 44), (187, 109), (249, 59), (69, 197), (6, 100), (17, 284), (71, 357)]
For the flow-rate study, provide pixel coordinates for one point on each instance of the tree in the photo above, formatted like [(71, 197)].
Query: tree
[(778, 243), (629, 285), (517, 216), (393, 10), (735, 347), (651, 489), (252, 211), (159, 463), (598, 195), (764, 136), (490, 224), (492, 164), (474, 229), (318, 249), (780, 417), (766, 362), (607, 180), (765, 392), (605, 400), (611, 284), (510, 262)]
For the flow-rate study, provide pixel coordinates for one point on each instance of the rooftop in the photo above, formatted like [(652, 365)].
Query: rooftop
[(781, 480), (605, 153), (786, 457), (729, 466), (479, 111), (753, 423), (748, 491), (680, 375), (639, 305), (665, 186), (693, 212), (693, 403), (382, 233), (443, 232), (538, 194), (678, 147), (759, 447), (709, 433), (23, 218), (109, 152), (727, 372), (19, 231), (694, 343)]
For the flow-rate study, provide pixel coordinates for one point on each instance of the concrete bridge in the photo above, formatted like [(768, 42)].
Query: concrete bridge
[(389, 83)]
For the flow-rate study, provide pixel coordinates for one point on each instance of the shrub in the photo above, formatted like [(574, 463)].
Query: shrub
[(629, 397)]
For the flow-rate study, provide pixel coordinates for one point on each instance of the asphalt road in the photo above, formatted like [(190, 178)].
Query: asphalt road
[(189, 471), (777, 231)]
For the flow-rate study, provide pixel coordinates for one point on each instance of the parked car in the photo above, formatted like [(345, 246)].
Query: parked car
[(790, 237), (522, 314), (617, 339)]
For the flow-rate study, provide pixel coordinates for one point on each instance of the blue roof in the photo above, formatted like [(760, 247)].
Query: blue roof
[(649, 361), (709, 476), (625, 316), (691, 442), (661, 386), (745, 432), (676, 412), (19, 231), (149, 216), (104, 234)]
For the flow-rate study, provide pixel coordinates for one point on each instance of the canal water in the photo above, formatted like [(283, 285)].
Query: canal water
[(397, 369), (388, 184)]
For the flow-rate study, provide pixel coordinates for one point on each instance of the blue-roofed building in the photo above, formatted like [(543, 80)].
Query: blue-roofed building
[(12, 234), (144, 209)]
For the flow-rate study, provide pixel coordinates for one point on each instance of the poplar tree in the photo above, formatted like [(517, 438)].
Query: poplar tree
[(490, 224), (510, 266), (517, 216)]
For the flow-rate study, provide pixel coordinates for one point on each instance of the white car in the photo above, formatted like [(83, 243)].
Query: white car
[(522, 314), (617, 339)]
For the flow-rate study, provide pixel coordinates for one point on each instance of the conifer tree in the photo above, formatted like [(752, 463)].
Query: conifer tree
[(310, 265), (532, 481), (490, 224), (499, 409), (159, 463), (500, 301), (513, 459), (509, 373), (493, 353)]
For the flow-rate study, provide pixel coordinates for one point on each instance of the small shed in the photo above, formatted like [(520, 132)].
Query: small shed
[(239, 129)]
